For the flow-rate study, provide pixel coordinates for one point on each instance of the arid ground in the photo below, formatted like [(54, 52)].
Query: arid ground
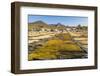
[(46, 42)]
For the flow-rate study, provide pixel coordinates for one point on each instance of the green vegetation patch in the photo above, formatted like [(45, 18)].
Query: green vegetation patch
[(52, 48), (63, 36)]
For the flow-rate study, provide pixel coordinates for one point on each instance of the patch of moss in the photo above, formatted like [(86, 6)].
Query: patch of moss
[(52, 48)]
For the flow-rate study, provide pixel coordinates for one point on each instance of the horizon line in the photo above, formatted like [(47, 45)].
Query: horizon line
[(56, 23)]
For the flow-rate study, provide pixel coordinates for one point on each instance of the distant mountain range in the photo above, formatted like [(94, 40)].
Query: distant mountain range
[(41, 24)]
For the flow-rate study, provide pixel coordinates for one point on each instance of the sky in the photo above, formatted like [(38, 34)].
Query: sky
[(66, 20)]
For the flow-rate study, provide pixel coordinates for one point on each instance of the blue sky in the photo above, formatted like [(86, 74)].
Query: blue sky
[(66, 20)]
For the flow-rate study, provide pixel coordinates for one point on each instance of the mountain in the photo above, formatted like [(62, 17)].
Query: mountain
[(37, 25)]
